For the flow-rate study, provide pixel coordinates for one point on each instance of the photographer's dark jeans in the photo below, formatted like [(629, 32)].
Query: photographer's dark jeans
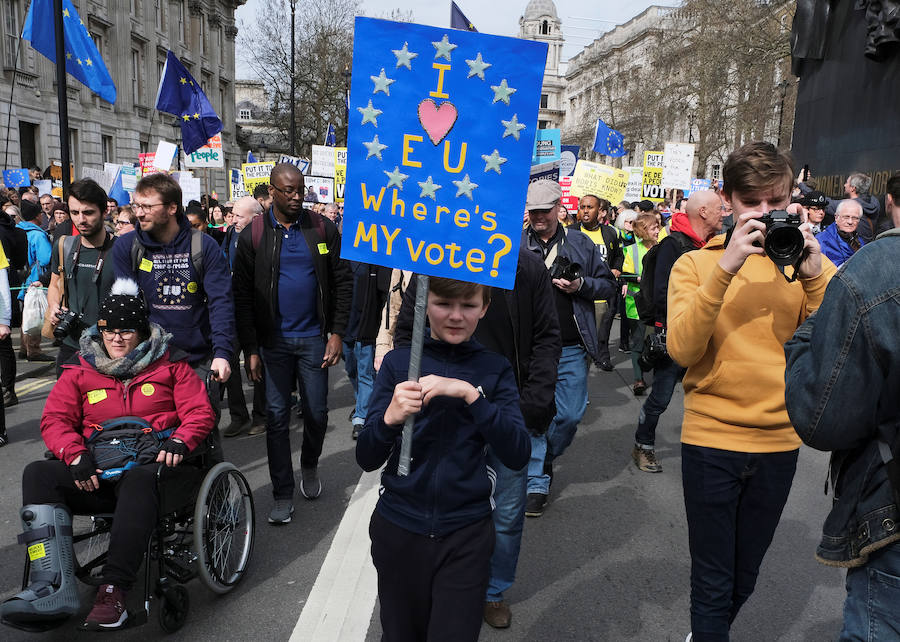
[(733, 502), (665, 376), (7, 364), (63, 355)]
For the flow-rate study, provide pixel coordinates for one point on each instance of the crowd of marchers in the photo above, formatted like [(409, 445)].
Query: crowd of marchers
[(776, 307)]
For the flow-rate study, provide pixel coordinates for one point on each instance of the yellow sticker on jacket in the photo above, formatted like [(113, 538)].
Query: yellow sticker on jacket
[(323, 248), (192, 287), (148, 389), (36, 551), (96, 395), (146, 265)]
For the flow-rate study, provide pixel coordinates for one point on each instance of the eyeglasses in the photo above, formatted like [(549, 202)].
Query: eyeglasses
[(844, 217), (144, 207), (125, 335), (120, 223), (288, 193)]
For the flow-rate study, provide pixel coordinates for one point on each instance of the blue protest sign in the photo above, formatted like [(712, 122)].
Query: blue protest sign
[(546, 146), (568, 156), (700, 184), (16, 177), (442, 125)]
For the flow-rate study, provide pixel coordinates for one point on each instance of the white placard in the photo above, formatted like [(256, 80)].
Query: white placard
[(190, 189), (635, 178), (320, 186), (678, 165), (44, 186), (323, 160), (297, 161), (103, 179), (165, 154)]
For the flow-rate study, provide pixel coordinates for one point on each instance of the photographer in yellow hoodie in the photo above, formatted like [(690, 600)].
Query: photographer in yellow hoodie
[(730, 311)]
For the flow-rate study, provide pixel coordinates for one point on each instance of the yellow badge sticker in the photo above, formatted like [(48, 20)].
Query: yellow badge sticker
[(323, 248), (146, 265), (147, 389), (96, 395), (192, 287), (36, 552)]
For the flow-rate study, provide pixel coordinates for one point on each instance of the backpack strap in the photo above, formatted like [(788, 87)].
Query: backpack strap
[(256, 230), (197, 253), (137, 253)]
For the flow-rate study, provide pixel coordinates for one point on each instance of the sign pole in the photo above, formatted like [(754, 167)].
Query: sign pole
[(415, 366), (61, 95)]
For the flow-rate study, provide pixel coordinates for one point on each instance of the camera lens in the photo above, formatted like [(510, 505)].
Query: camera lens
[(784, 244)]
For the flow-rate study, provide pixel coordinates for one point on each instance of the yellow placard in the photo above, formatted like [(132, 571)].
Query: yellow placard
[(602, 181), (146, 265), (94, 396), (651, 185), (147, 389), (323, 248), (36, 551), (256, 174)]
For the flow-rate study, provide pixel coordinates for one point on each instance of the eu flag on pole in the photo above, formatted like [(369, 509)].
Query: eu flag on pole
[(330, 137), (180, 95), (458, 19), (250, 157), (608, 141), (16, 177), (83, 60)]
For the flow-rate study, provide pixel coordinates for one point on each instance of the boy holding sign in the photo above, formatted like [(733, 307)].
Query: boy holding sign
[(432, 533)]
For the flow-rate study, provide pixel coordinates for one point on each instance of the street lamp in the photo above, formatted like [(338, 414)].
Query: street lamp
[(176, 125), (347, 75)]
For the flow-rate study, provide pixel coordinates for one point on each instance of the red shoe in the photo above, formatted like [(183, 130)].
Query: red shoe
[(109, 610)]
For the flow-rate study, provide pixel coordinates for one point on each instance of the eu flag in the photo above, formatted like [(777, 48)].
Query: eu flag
[(608, 141), (458, 19), (180, 95), (83, 60), (330, 138), (16, 177)]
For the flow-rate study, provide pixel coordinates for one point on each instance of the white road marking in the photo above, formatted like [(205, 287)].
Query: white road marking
[(339, 607)]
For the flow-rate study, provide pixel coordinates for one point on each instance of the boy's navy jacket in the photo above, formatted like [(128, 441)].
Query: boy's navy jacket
[(193, 312), (449, 485)]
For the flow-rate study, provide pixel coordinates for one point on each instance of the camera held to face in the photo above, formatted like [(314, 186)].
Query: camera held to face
[(784, 242), (563, 268), (70, 324)]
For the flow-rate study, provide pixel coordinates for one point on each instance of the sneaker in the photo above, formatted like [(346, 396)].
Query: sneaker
[(606, 365), (534, 504), (645, 459), (10, 398), (497, 614), (258, 427), (281, 512), (109, 609), (356, 429), (690, 636), (236, 427), (41, 356), (310, 485), (3, 439), (639, 388)]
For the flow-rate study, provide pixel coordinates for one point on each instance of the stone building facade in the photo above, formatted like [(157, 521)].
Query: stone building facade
[(132, 37), (541, 22)]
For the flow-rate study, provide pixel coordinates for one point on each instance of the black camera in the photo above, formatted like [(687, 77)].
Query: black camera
[(70, 324), (784, 241), (654, 350), (563, 268)]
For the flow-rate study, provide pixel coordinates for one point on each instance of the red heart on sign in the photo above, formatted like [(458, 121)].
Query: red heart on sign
[(437, 121)]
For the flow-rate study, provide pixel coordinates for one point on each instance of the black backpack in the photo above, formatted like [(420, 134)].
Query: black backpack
[(643, 300)]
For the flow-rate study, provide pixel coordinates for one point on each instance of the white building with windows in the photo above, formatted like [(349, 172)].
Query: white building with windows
[(540, 22), (132, 37)]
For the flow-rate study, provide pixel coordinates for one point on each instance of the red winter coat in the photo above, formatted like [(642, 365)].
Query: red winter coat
[(166, 394)]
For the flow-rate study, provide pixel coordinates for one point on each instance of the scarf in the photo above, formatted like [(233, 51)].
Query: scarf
[(851, 238), (130, 365), (681, 223)]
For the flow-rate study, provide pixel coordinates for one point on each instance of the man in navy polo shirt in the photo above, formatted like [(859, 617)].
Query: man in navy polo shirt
[(292, 299)]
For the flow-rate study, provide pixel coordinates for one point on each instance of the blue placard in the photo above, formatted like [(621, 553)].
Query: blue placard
[(700, 184), (442, 126), (546, 146)]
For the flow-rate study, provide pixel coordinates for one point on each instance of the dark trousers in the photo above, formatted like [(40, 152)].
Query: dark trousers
[(665, 376), (237, 402), (133, 500), (7, 364), (431, 588), (733, 502), (287, 360)]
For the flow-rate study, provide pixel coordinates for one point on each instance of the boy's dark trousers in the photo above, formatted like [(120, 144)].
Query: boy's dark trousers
[(431, 588)]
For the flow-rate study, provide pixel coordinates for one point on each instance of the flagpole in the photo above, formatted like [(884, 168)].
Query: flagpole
[(293, 81), (12, 91), (62, 96)]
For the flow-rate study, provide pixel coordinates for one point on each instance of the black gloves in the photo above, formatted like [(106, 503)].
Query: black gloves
[(84, 469), (175, 446)]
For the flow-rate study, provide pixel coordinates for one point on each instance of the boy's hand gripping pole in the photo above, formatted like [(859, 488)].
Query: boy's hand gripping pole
[(415, 364)]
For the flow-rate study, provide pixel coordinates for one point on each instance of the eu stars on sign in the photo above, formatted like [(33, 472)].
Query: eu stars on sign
[(439, 147)]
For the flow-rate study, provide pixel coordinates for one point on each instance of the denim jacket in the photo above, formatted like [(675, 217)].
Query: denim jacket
[(843, 395)]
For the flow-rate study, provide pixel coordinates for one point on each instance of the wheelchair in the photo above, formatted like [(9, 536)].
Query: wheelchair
[(206, 530)]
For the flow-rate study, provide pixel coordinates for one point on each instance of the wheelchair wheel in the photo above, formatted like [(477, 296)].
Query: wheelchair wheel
[(224, 524), (90, 542), (173, 608)]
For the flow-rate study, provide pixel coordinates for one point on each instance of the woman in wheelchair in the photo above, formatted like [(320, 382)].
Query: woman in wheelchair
[(125, 369)]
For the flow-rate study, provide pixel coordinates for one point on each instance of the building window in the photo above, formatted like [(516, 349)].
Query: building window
[(11, 33), (203, 47), (136, 76), (98, 42), (544, 100), (543, 124), (136, 7), (106, 149), (160, 15), (144, 146), (204, 84), (73, 151), (219, 36), (160, 68), (182, 32), (27, 144), (244, 114), (221, 101), (717, 172), (545, 28)]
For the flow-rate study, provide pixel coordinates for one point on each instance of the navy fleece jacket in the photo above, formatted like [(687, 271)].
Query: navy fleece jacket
[(199, 316), (449, 485)]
